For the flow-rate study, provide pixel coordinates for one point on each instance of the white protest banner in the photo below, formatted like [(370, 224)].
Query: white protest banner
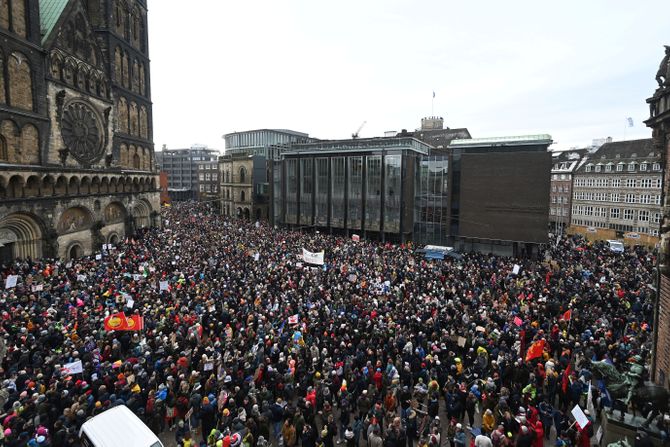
[(589, 401), (516, 269), (209, 366), (580, 417), (98, 257), (38, 288), (81, 277), (355, 238), (11, 281), (293, 319), (73, 368), (104, 246), (164, 285), (461, 341), (130, 303), (312, 258)]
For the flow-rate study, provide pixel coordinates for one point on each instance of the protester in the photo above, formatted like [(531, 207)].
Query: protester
[(240, 341)]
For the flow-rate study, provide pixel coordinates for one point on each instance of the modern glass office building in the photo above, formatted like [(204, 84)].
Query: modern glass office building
[(361, 186)]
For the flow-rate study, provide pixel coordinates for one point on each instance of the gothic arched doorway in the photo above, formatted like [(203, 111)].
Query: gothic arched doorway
[(75, 252)]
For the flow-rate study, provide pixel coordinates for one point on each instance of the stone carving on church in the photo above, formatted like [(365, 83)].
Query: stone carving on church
[(82, 132), (73, 220), (113, 213)]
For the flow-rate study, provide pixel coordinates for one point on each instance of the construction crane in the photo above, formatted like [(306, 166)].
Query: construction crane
[(355, 135)]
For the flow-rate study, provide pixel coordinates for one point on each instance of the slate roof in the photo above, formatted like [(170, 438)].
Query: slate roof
[(50, 12), (624, 151)]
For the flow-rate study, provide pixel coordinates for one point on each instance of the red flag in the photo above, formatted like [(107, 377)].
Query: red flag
[(535, 350), (565, 379), (134, 323), (116, 322), (567, 315)]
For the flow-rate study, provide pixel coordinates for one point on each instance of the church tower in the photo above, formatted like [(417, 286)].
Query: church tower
[(76, 150)]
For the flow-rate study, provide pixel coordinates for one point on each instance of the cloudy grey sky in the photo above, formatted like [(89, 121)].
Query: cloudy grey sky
[(573, 69)]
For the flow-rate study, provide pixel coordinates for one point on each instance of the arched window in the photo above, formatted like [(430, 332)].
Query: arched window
[(4, 155), (19, 17), (136, 161), (243, 175), (242, 196), (20, 80)]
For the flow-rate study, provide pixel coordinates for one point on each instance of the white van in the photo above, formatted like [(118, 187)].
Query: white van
[(116, 427), (615, 246)]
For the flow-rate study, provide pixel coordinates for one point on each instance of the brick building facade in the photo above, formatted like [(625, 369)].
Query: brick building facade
[(659, 122), (76, 150)]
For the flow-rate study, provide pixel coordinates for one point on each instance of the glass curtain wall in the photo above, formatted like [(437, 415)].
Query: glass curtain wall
[(392, 198), (321, 193), (373, 193), (306, 190), (355, 211), (431, 201), (338, 186), (277, 192), (292, 191)]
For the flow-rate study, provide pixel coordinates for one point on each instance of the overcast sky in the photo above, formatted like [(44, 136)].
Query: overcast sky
[(573, 69)]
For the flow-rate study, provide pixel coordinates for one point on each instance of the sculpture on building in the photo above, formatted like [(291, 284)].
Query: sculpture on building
[(631, 387), (663, 74)]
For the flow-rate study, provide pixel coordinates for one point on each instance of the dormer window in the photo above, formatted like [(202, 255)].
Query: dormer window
[(599, 167), (631, 167), (656, 166), (588, 167), (608, 167), (643, 166), (619, 167)]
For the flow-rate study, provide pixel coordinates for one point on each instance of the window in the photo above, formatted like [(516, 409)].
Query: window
[(598, 167), (653, 232), (202, 188), (631, 166), (657, 200), (643, 216), (630, 198), (615, 213), (619, 167), (588, 168), (202, 177), (628, 214), (553, 199), (643, 166), (656, 183), (630, 183), (553, 188), (645, 199), (588, 211), (656, 218), (616, 183), (552, 211), (608, 167), (565, 211), (656, 166), (242, 196), (563, 177), (208, 177), (645, 183)]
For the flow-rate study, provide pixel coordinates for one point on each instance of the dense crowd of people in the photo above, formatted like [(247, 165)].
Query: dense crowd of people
[(245, 344)]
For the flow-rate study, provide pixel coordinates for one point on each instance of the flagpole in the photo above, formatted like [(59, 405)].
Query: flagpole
[(432, 105)]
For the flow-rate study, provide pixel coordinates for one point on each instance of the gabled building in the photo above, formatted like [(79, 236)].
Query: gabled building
[(617, 193), (564, 165)]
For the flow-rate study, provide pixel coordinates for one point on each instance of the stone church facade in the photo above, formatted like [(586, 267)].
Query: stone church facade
[(76, 141)]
